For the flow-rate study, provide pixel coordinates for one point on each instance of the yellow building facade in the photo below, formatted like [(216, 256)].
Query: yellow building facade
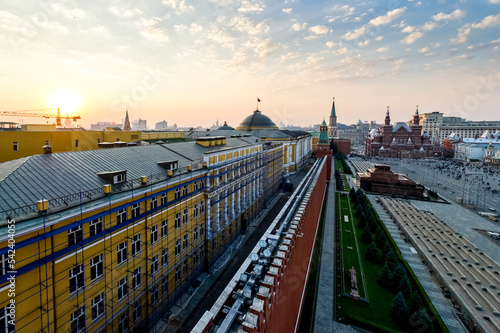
[(32, 137), (118, 258)]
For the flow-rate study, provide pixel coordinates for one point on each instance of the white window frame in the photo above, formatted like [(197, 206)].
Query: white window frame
[(195, 210), (121, 215), (96, 267), (154, 264), (164, 285), (178, 273), (5, 321), (164, 257), (137, 310), (164, 228), (155, 295), (195, 234), (124, 323), (136, 244), (185, 190), (177, 193), (78, 322), (97, 307), (177, 247), (77, 274), (121, 252), (185, 242), (153, 204), (136, 209), (154, 234), (136, 277), (177, 220), (75, 235), (95, 226), (185, 216), (122, 288), (164, 199)]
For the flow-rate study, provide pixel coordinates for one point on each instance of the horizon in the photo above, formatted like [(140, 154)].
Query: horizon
[(193, 63)]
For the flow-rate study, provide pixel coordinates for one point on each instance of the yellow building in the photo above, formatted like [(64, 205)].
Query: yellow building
[(30, 139), (109, 239)]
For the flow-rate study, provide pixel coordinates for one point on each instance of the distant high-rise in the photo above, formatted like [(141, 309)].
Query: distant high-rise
[(332, 127), (126, 125), (161, 126)]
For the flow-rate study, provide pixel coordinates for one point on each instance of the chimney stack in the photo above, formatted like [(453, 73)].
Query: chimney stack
[(47, 149)]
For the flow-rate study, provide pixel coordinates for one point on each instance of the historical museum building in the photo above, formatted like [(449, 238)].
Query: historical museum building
[(401, 140)]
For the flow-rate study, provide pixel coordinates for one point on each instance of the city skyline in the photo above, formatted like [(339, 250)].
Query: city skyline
[(192, 63)]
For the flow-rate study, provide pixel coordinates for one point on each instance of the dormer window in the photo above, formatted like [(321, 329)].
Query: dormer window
[(169, 165), (114, 177)]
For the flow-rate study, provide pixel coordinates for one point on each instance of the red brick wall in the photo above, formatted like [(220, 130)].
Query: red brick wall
[(288, 305), (343, 145)]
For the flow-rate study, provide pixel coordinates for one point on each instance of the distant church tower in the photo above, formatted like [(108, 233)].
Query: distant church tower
[(126, 125), (332, 127)]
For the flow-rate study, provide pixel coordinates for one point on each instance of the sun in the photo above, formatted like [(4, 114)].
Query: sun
[(66, 100)]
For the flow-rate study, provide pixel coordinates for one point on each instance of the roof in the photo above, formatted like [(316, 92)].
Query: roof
[(256, 121), (323, 123), (333, 114), (225, 127), (401, 125), (257, 133), (51, 176)]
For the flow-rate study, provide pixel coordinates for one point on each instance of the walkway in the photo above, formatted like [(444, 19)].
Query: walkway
[(324, 321)]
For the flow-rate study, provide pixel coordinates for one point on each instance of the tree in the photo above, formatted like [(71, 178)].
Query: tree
[(361, 222), (405, 287), (400, 310), (391, 260), (352, 192), (385, 277), (372, 253), (398, 274), (366, 236), (415, 302), (333, 147), (380, 238), (373, 227), (421, 321)]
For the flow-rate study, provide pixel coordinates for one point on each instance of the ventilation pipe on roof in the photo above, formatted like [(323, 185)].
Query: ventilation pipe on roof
[(47, 149)]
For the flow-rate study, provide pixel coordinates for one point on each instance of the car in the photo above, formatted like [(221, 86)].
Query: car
[(492, 209)]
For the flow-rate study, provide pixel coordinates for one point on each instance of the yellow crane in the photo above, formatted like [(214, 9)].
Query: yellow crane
[(28, 113)]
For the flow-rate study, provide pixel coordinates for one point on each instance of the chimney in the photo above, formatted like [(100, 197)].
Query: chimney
[(47, 149)]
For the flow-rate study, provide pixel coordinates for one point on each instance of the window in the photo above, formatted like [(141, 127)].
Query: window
[(177, 247), (136, 277), (178, 193), (202, 253), (164, 285), (122, 288), (195, 258), (119, 178), (195, 210), (202, 207), (78, 320), (164, 257), (136, 244), (164, 199), (121, 216), (195, 234), (6, 323), (123, 323), (98, 140), (76, 143), (75, 235), (164, 228), (154, 203), (96, 267), (154, 234), (178, 274), (97, 306), (185, 267), (136, 310), (122, 252), (202, 230), (185, 216), (154, 295), (184, 190), (154, 264), (136, 210), (185, 242), (76, 278), (16, 146), (95, 226), (177, 220), (202, 184), (195, 186)]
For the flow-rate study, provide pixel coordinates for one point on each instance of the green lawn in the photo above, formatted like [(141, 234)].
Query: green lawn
[(378, 309)]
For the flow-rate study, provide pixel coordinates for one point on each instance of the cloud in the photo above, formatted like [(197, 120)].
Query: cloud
[(194, 28), (423, 50), (341, 51), (178, 5), (331, 44), (243, 24), (411, 38), (428, 26), (248, 6), (409, 29), (265, 48), (389, 17), (496, 40), (319, 29), (298, 26), (289, 55), (221, 36), (455, 15), (462, 34), (287, 10), (494, 2), (382, 49), (154, 34), (488, 22), (124, 11), (378, 38), (355, 34)]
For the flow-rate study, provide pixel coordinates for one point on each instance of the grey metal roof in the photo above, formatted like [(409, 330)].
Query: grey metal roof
[(262, 133), (50, 176)]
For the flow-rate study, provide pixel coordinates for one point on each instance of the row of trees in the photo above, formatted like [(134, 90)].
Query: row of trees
[(338, 181), (393, 275), (341, 157)]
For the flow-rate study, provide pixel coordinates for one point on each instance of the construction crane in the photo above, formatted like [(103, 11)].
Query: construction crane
[(27, 113)]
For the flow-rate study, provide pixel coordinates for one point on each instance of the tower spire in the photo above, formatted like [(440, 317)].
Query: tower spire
[(332, 126), (126, 125)]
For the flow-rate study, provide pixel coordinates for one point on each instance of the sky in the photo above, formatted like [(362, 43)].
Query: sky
[(192, 62)]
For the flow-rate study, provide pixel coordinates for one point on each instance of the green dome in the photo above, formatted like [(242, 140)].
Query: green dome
[(256, 121), (225, 127)]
